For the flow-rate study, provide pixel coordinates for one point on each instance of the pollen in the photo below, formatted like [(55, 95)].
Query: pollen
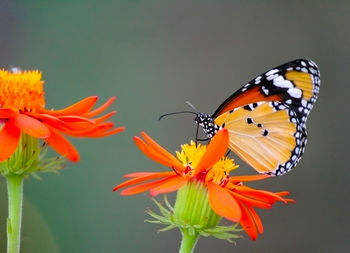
[(191, 154), (21, 90), (220, 173)]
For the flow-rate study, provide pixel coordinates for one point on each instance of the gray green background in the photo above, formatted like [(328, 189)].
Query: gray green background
[(155, 55)]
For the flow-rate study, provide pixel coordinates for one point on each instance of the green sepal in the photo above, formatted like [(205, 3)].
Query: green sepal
[(167, 218), (30, 158)]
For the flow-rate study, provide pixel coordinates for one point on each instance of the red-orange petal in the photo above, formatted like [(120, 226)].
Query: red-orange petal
[(101, 108), (62, 146), (83, 129), (75, 118), (47, 119), (106, 133), (171, 185), (162, 151), (104, 117), (256, 219), (9, 138), (6, 113), (223, 203), (79, 108), (251, 201), (290, 200), (249, 178), (141, 174), (265, 196), (152, 154), (247, 222), (31, 126), (142, 179), (285, 193), (142, 187), (215, 150)]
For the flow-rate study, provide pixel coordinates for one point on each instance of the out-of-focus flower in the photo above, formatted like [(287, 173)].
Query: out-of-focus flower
[(24, 120), (22, 110)]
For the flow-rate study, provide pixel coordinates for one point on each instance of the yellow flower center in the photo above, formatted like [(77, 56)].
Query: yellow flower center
[(21, 90), (191, 154), (220, 172)]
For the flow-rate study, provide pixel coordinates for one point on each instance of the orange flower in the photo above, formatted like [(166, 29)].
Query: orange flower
[(22, 109), (228, 197)]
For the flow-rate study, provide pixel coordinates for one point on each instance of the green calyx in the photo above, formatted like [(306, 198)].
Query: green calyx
[(193, 215), (29, 158), (192, 206)]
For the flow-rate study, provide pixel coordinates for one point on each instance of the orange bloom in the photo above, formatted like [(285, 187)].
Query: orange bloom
[(22, 109), (228, 196)]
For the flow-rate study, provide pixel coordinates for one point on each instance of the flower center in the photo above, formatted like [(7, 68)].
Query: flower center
[(21, 90), (190, 156), (220, 173)]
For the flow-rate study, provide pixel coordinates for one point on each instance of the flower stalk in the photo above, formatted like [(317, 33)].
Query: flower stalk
[(192, 207), (189, 240), (14, 220)]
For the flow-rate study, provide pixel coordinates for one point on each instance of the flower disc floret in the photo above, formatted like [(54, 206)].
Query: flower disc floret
[(21, 90)]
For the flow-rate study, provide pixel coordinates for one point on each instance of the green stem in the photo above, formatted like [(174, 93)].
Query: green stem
[(189, 241), (15, 197)]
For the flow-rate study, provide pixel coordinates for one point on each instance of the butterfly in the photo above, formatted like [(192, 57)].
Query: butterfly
[(266, 117)]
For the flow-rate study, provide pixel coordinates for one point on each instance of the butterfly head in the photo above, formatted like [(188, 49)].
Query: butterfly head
[(207, 122)]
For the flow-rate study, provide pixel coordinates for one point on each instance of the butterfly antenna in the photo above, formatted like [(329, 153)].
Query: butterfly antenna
[(192, 106), (172, 113)]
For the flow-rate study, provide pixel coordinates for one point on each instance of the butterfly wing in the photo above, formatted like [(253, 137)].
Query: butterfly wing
[(294, 84), (266, 135)]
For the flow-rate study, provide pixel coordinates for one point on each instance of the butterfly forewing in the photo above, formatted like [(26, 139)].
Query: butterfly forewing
[(294, 84), (266, 135)]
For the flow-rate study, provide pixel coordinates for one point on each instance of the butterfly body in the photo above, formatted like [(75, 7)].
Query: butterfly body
[(266, 117), (207, 122)]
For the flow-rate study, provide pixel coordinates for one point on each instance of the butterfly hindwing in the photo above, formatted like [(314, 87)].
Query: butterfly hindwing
[(266, 135)]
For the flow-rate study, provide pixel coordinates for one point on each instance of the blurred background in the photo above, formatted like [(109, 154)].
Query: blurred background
[(155, 55)]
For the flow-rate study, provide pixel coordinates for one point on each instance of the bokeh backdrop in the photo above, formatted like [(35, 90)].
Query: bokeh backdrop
[(155, 55)]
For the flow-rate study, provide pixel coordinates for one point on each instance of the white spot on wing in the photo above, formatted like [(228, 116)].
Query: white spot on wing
[(271, 72), (294, 92), (271, 77), (283, 83), (266, 91)]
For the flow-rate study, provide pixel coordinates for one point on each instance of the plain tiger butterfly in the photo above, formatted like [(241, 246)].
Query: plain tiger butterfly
[(266, 117)]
